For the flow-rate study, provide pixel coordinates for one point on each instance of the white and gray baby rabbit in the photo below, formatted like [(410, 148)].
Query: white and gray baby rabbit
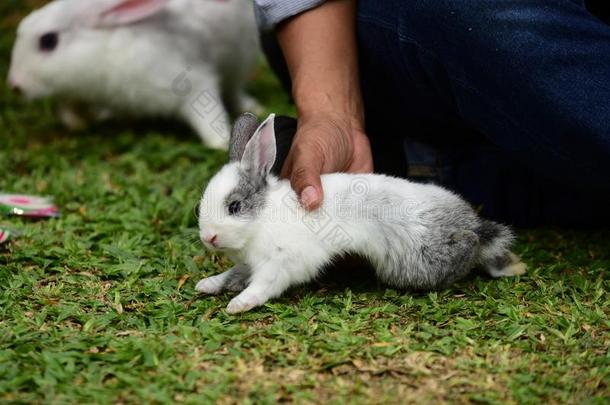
[(182, 59), (416, 236)]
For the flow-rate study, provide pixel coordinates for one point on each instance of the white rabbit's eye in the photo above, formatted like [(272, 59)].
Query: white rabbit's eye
[(234, 207), (48, 41)]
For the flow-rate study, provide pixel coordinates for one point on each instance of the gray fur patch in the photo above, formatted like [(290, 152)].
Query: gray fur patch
[(488, 231), (500, 262), (245, 126), (238, 279), (250, 192), (445, 256)]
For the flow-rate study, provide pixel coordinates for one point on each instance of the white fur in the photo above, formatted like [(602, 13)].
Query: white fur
[(178, 62)]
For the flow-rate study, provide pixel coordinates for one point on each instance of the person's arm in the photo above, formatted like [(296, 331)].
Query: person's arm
[(320, 50)]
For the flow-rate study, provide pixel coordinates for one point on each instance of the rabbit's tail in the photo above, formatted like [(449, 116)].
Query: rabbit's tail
[(495, 255)]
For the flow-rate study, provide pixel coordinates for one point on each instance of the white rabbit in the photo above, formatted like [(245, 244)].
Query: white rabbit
[(416, 236), (165, 58)]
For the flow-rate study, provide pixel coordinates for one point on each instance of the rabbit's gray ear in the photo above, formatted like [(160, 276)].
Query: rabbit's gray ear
[(244, 128), (260, 152)]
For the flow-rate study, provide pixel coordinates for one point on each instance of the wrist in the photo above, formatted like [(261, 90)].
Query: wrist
[(322, 58), (342, 105)]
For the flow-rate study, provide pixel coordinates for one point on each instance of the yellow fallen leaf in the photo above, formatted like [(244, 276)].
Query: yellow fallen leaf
[(381, 344), (182, 280)]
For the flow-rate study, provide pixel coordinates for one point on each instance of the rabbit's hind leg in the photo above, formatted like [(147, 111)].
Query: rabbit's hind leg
[(208, 117), (441, 259), (248, 103)]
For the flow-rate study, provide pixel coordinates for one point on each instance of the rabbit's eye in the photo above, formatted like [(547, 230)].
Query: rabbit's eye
[(234, 207), (48, 41)]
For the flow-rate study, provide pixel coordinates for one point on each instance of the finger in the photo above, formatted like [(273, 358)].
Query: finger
[(305, 179)]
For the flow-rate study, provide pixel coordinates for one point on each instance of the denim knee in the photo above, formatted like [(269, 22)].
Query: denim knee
[(493, 25), (530, 76)]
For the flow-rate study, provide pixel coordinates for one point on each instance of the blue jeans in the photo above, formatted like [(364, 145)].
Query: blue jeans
[(507, 102)]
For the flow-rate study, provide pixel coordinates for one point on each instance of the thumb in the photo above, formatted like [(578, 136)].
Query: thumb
[(306, 182)]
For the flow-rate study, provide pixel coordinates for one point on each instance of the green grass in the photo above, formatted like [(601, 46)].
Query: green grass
[(99, 305)]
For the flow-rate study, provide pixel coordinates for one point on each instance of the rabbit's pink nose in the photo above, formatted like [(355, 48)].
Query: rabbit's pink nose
[(212, 240)]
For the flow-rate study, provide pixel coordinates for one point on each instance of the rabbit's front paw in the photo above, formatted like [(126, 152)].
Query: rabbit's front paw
[(243, 303), (210, 285)]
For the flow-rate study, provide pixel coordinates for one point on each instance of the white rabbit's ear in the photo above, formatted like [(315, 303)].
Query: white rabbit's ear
[(108, 13), (260, 151), (244, 128)]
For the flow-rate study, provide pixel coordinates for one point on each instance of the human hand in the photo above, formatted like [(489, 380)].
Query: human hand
[(325, 143)]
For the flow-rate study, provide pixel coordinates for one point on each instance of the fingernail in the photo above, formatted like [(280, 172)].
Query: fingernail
[(309, 196)]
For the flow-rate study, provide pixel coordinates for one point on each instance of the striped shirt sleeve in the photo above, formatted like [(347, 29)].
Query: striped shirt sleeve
[(269, 13)]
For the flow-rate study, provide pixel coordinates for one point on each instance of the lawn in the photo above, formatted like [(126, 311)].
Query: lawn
[(99, 305)]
